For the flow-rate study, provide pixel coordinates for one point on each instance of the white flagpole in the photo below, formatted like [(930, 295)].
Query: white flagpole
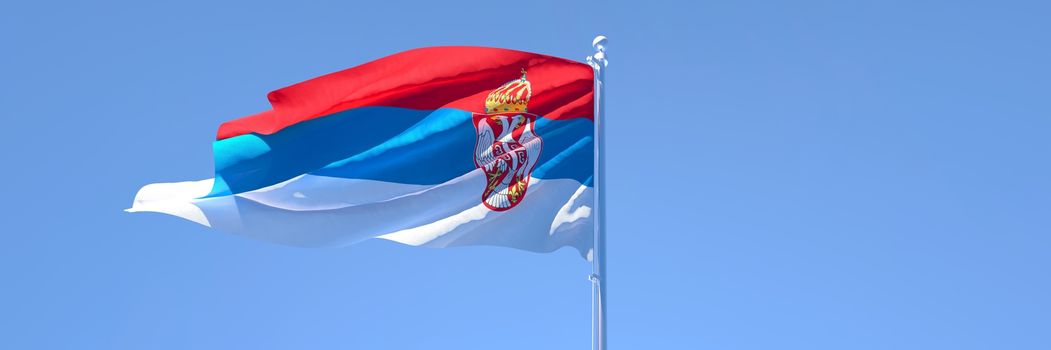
[(598, 276)]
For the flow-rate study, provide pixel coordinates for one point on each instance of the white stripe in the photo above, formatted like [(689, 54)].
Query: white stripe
[(174, 198), (326, 211)]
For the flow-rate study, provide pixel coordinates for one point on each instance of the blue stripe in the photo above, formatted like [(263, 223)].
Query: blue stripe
[(387, 144)]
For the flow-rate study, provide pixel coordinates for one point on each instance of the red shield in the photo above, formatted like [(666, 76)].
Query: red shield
[(507, 150)]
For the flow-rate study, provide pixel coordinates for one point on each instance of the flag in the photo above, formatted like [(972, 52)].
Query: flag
[(436, 147)]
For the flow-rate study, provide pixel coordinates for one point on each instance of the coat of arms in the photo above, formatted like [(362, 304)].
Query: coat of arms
[(508, 146)]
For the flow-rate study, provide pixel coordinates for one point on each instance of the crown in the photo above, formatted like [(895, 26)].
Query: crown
[(513, 96)]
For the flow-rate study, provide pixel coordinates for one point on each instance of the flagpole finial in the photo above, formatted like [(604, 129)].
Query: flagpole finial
[(598, 60), (599, 42)]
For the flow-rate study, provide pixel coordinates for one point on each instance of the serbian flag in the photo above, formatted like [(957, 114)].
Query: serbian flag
[(437, 147)]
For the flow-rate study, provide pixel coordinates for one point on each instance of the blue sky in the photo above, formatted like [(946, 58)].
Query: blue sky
[(804, 175)]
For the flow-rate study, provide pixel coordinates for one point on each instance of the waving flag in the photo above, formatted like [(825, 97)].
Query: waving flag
[(441, 146)]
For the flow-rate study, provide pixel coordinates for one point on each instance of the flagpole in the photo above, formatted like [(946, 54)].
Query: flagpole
[(598, 275)]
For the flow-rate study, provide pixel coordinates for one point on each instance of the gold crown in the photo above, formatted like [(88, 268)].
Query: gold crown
[(513, 96)]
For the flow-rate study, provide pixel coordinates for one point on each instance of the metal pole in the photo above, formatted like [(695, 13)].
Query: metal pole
[(598, 276)]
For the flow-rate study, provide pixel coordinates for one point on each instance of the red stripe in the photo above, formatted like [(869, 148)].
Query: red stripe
[(428, 78)]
